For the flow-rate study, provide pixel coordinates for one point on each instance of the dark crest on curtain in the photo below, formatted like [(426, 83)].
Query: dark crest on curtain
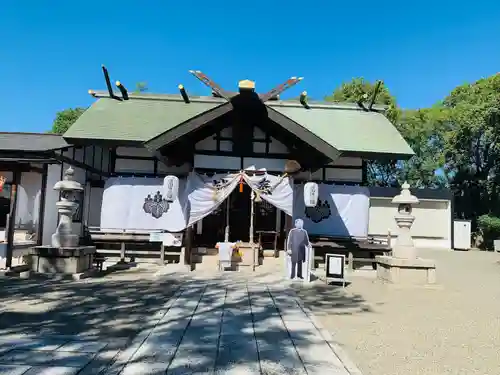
[(155, 206), (320, 212)]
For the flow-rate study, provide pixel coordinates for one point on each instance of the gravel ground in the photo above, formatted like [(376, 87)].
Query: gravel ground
[(453, 328)]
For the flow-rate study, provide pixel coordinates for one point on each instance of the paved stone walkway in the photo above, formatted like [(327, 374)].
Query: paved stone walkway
[(206, 328)]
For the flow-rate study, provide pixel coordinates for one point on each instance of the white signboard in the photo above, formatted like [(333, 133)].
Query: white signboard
[(167, 239), (335, 268), (155, 237)]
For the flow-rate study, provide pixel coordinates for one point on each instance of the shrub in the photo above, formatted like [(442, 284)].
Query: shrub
[(490, 229)]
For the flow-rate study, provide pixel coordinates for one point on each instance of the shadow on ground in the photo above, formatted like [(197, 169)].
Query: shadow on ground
[(110, 307), (220, 322), (331, 299)]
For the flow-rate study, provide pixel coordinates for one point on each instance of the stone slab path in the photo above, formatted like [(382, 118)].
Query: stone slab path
[(218, 327)]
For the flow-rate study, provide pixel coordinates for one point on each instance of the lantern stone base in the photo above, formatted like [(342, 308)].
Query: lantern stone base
[(406, 271), (61, 260)]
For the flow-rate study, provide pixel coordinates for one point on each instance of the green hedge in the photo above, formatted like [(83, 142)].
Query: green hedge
[(490, 229)]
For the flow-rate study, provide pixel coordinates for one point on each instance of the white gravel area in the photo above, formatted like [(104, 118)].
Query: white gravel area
[(453, 328)]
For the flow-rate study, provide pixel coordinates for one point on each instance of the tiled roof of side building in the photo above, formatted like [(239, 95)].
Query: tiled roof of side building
[(14, 141)]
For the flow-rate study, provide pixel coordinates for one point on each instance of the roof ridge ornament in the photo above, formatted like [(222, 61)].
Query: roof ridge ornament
[(376, 90), (245, 85), (214, 86), (280, 88), (112, 95)]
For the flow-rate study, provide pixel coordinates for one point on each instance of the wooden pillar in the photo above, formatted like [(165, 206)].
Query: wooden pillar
[(162, 254), (188, 250), (16, 179), (122, 252)]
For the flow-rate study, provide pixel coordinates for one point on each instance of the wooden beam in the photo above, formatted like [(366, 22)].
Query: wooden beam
[(217, 89), (280, 88), (79, 164), (184, 94), (122, 89), (303, 100), (374, 96), (108, 83)]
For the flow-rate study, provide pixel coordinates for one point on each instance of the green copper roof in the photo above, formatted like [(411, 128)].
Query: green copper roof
[(348, 129), (135, 119), (145, 117)]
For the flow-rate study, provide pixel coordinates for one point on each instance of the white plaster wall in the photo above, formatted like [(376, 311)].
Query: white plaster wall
[(431, 229), (133, 151), (28, 199), (51, 197), (92, 212), (134, 166), (217, 162), (342, 174)]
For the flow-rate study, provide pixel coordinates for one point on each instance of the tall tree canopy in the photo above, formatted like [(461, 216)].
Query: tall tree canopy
[(416, 126), (473, 146), (64, 119)]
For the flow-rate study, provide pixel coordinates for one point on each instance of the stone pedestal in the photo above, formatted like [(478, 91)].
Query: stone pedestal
[(62, 260), (416, 271)]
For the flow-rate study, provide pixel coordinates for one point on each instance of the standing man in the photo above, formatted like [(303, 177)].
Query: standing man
[(297, 242)]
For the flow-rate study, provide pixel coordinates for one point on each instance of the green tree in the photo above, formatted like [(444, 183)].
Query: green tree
[(419, 129), (64, 119), (424, 130), (472, 146), (141, 87)]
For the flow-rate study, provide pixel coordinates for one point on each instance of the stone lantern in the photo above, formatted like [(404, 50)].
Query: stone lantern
[(66, 207), (403, 266), (404, 219), (64, 255)]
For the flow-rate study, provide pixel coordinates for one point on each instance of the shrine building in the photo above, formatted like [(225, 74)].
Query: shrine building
[(125, 143)]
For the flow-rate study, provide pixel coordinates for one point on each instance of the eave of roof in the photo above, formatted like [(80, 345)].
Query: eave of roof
[(17, 141), (137, 119), (351, 130)]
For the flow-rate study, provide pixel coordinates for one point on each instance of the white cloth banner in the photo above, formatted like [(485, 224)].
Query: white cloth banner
[(135, 203), (276, 190), (205, 194), (341, 211)]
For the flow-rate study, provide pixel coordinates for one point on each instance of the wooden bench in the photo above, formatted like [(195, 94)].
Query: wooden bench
[(360, 251)]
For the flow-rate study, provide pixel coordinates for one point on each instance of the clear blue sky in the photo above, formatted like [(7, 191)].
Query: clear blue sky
[(51, 51)]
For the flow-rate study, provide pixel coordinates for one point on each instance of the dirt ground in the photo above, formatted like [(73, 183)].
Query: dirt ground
[(453, 328)]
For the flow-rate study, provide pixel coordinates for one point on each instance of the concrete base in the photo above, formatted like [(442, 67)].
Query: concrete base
[(406, 271), (63, 260)]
